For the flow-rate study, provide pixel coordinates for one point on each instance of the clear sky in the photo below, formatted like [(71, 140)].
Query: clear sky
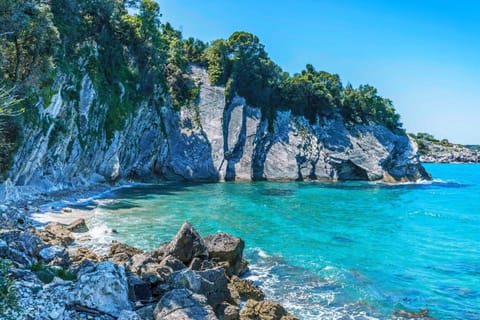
[(422, 54)]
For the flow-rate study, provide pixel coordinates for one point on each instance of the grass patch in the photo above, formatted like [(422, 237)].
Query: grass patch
[(47, 273)]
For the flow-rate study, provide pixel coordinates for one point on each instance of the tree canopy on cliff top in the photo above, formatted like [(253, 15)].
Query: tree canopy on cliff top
[(132, 46)]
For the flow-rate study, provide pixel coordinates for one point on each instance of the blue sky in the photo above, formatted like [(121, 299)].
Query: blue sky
[(422, 54)]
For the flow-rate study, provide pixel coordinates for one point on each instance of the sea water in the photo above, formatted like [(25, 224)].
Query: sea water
[(350, 250)]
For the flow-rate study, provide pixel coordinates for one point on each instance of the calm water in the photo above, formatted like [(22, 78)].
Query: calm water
[(328, 251)]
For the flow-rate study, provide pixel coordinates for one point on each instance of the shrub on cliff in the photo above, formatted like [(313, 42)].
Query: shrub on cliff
[(7, 289), (8, 126)]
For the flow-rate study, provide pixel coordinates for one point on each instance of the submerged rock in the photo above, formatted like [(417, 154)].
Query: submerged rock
[(422, 314)]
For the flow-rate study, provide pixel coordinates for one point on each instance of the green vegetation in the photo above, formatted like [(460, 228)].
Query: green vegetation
[(133, 57), (129, 57), (422, 139), (9, 108), (46, 273), (243, 66), (473, 147), (7, 289)]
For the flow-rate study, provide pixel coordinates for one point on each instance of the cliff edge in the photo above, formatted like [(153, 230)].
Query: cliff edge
[(209, 141)]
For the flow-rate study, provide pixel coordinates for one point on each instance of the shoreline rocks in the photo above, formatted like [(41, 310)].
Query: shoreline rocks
[(188, 278)]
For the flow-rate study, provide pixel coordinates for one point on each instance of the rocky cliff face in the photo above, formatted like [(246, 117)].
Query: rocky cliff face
[(207, 142)]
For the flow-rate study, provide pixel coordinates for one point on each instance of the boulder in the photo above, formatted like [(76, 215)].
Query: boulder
[(78, 226), (227, 311), (201, 264), (138, 289), (264, 310), (172, 263), (56, 233), (79, 255), (102, 287), (20, 246), (187, 244), (210, 283), (245, 289), (136, 263), (182, 304), (121, 253), (57, 253), (118, 247), (223, 247), (146, 313), (128, 315)]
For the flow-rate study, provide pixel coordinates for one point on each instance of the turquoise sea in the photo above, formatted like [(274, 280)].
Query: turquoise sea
[(327, 250)]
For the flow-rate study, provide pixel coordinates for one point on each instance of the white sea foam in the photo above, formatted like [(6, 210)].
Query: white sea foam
[(306, 296)]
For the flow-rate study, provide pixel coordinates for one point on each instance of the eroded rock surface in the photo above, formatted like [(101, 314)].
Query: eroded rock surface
[(209, 141), (103, 287)]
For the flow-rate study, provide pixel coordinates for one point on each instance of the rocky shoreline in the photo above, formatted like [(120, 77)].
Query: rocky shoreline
[(189, 277), (432, 150), (45, 274)]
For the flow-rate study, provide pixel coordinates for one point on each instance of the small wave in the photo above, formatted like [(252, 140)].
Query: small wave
[(305, 293), (261, 253)]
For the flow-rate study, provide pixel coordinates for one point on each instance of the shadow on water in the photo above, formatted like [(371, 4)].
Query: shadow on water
[(277, 192), (386, 186), (146, 192), (341, 239), (120, 205)]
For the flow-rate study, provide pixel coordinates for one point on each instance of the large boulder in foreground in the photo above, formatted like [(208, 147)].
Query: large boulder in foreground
[(187, 244), (226, 250), (102, 287), (182, 304)]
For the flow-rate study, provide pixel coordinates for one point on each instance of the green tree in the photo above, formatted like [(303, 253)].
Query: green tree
[(28, 38), (9, 107), (218, 62), (195, 51), (254, 75)]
